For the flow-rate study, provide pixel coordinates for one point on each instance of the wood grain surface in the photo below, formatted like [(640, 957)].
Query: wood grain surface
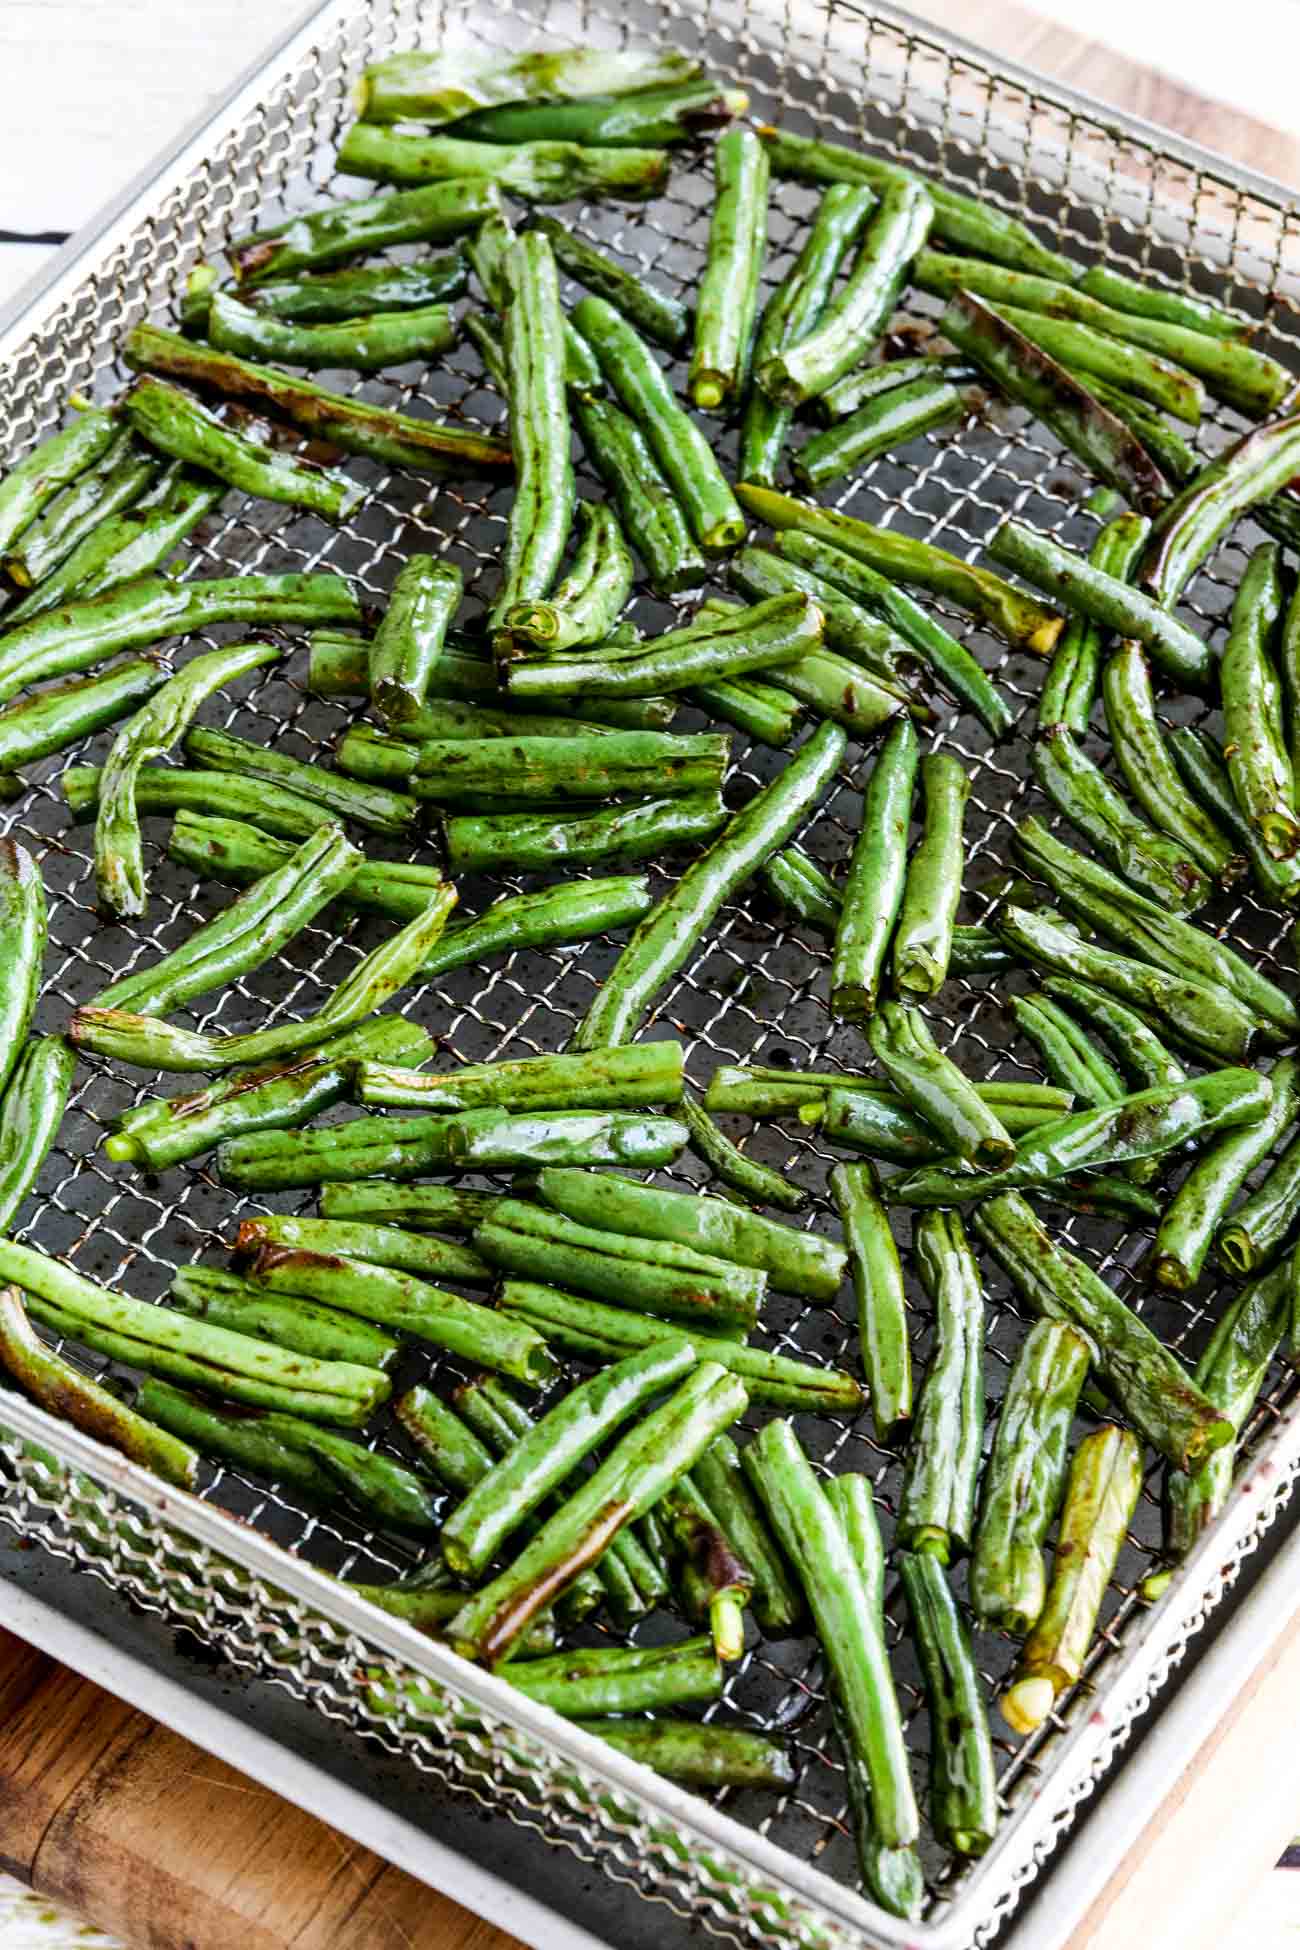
[(153, 1838)]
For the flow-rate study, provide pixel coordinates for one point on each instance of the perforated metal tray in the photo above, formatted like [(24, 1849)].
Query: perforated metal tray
[(759, 1868)]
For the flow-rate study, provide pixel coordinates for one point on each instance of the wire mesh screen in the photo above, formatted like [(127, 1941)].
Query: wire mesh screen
[(755, 990)]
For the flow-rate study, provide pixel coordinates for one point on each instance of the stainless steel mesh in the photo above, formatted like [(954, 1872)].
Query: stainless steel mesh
[(755, 990)]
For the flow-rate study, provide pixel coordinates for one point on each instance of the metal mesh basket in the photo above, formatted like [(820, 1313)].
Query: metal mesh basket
[(760, 1869)]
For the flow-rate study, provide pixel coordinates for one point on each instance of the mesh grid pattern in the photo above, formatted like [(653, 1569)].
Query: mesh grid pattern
[(755, 990)]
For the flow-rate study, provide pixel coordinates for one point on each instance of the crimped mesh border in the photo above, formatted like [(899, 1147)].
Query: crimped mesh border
[(754, 990)]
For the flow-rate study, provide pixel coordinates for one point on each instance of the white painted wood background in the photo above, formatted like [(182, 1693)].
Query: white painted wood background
[(94, 89)]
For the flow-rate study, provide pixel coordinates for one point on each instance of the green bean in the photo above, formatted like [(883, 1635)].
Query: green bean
[(1151, 301), (714, 1585), (937, 1507), (553, 916), (883, 1126), (643, 830), (227, 849), (587, 1327), (813, 896), (86, 631), (665, 938), (354, 229), (728, 297), (902, 558), (792, 312), (117, 481), (1105, 1483), (776, 1599), (677, 444), (203, 1293), (280, 1160), (953, 665), (1110, 904), (1149, 770), (1200, 1206), (664, 319), (965, 223), (357, 426), (367, 344), (795, 1262), (419, 86), (395, 813), (1148, 1381), (166, 789), (902, 414), (359, 292), (1090, 592), (835, 688), (1259, 764), (1166, 869), (140, 1039), (922, 946), (654, 1276), (1200, 760), (586, 605), (31, 1111), (1071, 681), (1025, 1478), (664, 115), (75, 1398), (1142, 1056), (167, 1131), (174, 423), (698, 1756), (878, 1290), (239, 1439), (963, 1782), (753, 706), (647, 507), (1084, 350), (538, 172), (122, 547), (410, 636), (22, 950), (1029, 375), (445, 1208), (861, 638), (753, 1181), (1069, 1056), (780, 631), (873, 889), (378, 1245), (895, 232), (1262, 1224), (446, 1444), (1253, 470), (666, 1443), (634, 1076), (386, 1490), (41, 474), (482, 1140), (527, 771), (248, 933), (936, 1089), (866, 383), (53, 719), (810, 1528)]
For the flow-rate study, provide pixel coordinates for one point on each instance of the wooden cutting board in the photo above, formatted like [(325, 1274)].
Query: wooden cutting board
[(154, 1839)]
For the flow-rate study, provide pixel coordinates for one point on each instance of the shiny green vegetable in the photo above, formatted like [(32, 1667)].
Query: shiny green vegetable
[(761, 637), (87, 631), (795, 1262), (378, 1245), (1104, 1486), (791, 313), (117, 481), (228, 849), (936, 1514), (1200, 1205), (922, 946), (814, 1536), (596, 1331), (359, 292), (122, 547), (1147, 1379), (585, 607), (669, 934), (226, 1300), (776, 1600), (1200, 760), (753, 706), (1263, 1223), (869, 382), (53, 719), (1069, 1056), (936, 1089), (883, 1126), (1140, 300), (664, 319), (1163, 868), (1088, 591), (648, 510), (549, 771), (728, 296), (1149, 770), (902, 558), (698, 1756), (135, 1038), (753, 1181), (487, 1140), (1259, 764), (713, 1583), (632, 1077), (895, 232), (1084, 351), (892, 419), (357, 426), (151, 733), (1070, 685), (963, 1780), (417, 85), (630, 1480), (175, 423), (394, 813), (552, 917), (799, 884), (41, 474), (62, 1389), (248, 933), (1142, 1056), (677, 444), (878, 1290), (873, 889), (410, 636), (659, 115), (642, 830), (862, 639), (1253, 470), (1029, 375), (1025, 1478), (22, 950), (358, 228), (538, 172), (368, 344), (965, 223), (167, 789), (488, 250), (240, 1439), (31, 1111)]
